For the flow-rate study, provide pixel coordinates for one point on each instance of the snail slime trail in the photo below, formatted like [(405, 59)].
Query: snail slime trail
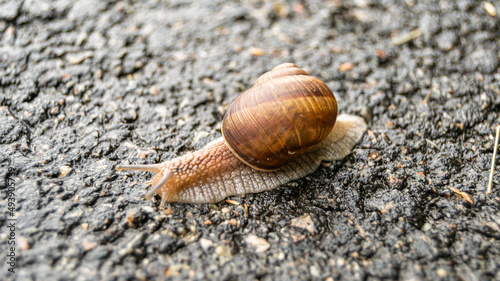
[(279, 130)]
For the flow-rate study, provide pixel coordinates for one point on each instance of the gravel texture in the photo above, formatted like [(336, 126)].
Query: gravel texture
[(86, 85)]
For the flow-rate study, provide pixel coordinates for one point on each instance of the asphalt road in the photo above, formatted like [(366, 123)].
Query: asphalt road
[(87, 85)]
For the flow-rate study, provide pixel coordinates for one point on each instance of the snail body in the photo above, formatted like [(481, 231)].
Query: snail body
[(279, 130)]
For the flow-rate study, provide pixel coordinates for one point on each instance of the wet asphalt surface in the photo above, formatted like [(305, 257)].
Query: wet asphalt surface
[(87, 85)]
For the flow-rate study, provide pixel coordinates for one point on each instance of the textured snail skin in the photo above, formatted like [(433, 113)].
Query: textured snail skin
[(214, 173)]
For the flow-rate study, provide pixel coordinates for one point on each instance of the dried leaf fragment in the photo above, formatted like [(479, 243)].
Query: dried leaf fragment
[(346, 66), (232, 222), (490, 9), (230, 201), (407, 37), (463, 194), (256, 51), (380, 53)]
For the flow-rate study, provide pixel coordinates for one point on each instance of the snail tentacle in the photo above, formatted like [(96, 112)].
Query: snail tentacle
[(166, 176), (148, 168)]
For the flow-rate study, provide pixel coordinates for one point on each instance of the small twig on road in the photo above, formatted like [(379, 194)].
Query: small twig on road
[(495, 148)]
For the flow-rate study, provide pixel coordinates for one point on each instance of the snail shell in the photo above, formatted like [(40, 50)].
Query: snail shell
[(283, 114), (293, 104)]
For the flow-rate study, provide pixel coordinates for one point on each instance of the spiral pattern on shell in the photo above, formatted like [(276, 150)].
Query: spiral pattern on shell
[(286, 112)]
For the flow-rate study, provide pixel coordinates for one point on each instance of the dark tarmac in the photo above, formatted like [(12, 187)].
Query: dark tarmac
[(87, 85)]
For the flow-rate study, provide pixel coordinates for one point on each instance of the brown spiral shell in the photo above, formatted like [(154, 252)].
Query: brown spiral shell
[(285, 112)]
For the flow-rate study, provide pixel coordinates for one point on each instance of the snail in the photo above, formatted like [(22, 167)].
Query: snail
[(279, 130)]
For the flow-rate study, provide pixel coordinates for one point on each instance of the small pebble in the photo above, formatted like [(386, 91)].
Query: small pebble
[(64, 170), (88, 245), (206, 244), (346, 66), (23, 243), (260, 244), (441, 272), (305, 222)]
